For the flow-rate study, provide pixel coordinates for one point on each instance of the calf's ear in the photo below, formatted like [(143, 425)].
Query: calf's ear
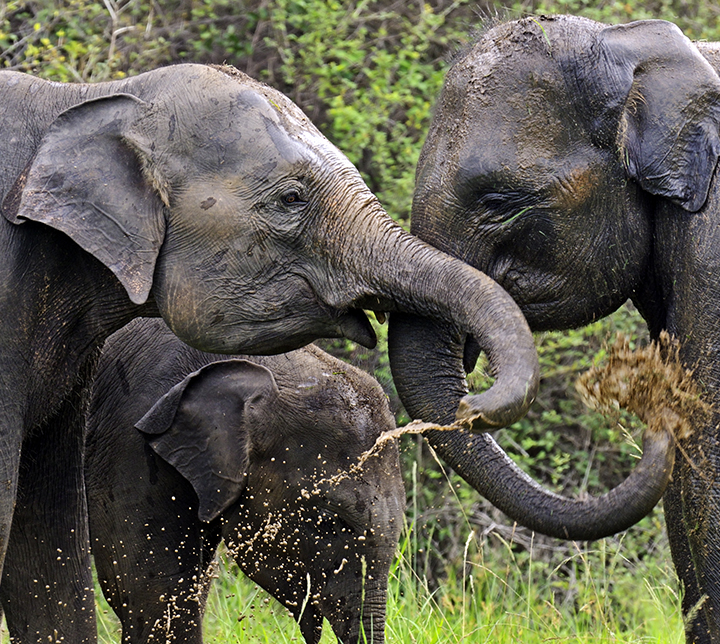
[(203, 428), (665, 99), (92, 179)]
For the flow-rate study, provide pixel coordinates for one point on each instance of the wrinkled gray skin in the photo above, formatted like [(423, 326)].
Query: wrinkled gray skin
[(576, 163), (240, 450), (202, 196)]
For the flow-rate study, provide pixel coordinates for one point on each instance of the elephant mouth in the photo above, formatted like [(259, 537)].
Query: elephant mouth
[(354, 325), (353, 322)]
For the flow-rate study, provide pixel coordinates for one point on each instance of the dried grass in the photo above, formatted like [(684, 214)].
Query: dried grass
[(650, 382)]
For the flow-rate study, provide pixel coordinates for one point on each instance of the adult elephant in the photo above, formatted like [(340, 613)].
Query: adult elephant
[(575, 163), (262, 452), (207, 198)]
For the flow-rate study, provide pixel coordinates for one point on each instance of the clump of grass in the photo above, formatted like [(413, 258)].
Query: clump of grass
[(650, 382)]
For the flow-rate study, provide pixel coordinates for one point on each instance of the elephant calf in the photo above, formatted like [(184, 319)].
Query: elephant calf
[(242, 451)]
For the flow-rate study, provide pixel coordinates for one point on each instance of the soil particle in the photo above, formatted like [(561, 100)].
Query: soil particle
[(650, 382)]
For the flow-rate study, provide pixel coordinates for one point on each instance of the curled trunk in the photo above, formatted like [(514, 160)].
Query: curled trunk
[(403, 274), (509, 489), (423, 351)]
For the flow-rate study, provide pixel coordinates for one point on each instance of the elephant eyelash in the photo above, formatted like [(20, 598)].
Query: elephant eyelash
[(504, 207)]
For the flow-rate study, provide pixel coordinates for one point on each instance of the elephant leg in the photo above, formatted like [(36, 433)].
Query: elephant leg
[(150, 563), (152, 605), (700, 494), (156, 607), (10, 442), (47, 587), (696, 627), (161, 610)]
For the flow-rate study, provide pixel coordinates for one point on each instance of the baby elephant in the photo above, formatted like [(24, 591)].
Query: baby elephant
[(257, 452)]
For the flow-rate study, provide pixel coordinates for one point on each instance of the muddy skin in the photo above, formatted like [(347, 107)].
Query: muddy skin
[(263, 452), (576, 164)]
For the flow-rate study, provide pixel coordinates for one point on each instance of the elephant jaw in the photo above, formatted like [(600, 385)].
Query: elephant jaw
[(355, 325)]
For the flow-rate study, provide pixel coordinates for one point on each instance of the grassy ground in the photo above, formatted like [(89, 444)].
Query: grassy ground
[(507, 593)]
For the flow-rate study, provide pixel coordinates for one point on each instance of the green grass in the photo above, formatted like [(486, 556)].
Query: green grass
[(507, 593)]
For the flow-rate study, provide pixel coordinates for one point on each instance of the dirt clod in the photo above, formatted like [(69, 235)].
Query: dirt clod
[(650, 382)]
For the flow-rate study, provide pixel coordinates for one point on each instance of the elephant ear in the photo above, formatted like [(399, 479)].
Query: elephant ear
[(203, 428), (90, 179), (666, 99)]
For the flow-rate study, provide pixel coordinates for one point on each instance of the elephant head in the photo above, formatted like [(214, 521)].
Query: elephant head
[(274, 453), (555, 144), (562, 156), (215, 196)]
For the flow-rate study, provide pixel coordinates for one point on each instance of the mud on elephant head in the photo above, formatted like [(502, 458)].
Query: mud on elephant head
[(576, 163), (262, 452), (216, 195), (201, 195)]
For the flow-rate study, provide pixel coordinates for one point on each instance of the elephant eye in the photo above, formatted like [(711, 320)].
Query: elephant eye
[(292, 198), (506, 207)]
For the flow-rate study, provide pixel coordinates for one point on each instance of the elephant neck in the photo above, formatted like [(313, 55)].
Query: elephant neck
[(63, 305)]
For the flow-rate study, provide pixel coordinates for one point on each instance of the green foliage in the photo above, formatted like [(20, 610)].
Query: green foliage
[(371, 71), (84, 40), (60, 43)]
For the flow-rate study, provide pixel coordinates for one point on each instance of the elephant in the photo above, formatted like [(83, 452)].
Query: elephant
[(199, 195), (257, 451), (575, 163)]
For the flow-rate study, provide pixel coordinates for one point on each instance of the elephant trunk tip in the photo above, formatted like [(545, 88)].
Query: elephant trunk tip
[(494, 408)]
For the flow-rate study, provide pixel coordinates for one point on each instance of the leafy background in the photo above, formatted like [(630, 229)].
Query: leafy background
[(367, 73)]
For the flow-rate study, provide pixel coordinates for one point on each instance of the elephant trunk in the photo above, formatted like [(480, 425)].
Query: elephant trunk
[(486, 467), (401, 273), (363, 618)]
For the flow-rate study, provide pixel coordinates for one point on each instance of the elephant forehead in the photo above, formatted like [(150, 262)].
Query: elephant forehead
[(237, 142), (213, 118), (347, 412), (294, 136), (224, 114), (523, 107)]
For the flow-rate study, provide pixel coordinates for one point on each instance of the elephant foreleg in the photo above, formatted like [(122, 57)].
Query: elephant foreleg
[(47, 579), (10, 441), (696, 626), (166, 608), (692, 515), (150, 559)]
